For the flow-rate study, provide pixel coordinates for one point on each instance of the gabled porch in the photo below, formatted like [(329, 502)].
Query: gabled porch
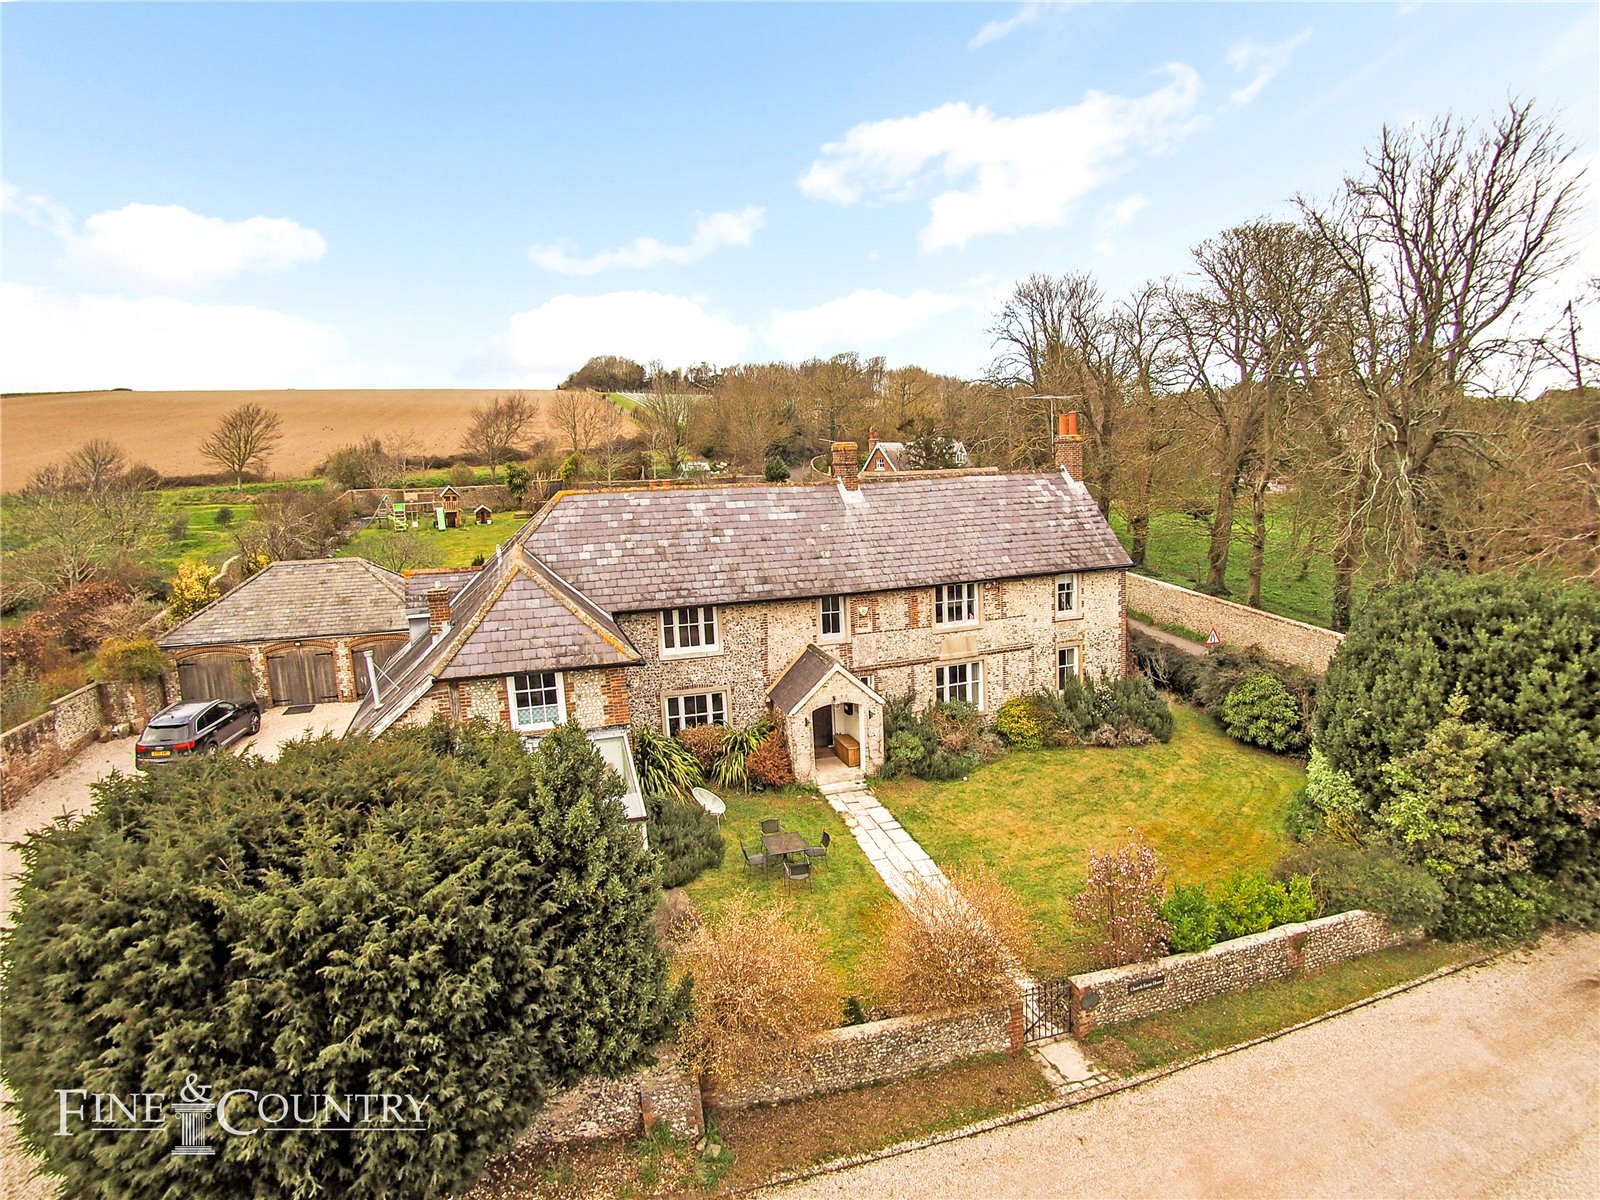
[(833, 720)]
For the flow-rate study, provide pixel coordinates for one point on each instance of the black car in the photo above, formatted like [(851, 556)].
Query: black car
[(195, 727)]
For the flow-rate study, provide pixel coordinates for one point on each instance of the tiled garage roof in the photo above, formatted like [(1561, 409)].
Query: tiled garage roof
[(644, 548), (323, 597)]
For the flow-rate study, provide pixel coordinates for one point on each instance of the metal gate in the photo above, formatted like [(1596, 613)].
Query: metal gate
[(215, 677), (302, 677), (1047, 1011)]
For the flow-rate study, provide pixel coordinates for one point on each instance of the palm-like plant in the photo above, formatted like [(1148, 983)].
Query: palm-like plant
[(665, 765)]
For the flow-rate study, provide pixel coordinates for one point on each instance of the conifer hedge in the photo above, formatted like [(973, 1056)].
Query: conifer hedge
[(437, 913)]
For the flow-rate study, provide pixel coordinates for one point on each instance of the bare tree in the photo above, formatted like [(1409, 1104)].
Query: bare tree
[(402, 550), (585, 418), (499, 428), (243, 440), (97, 464), (1152, 419), (664, 412), (1441, 240)]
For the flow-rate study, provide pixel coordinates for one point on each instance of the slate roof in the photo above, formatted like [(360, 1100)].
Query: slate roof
[(420, 583), (801, 677), (652, 548), (514, 614), (324, 597)]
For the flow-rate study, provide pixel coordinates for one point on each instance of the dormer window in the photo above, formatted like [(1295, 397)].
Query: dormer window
[(955, 604), (691, 630)]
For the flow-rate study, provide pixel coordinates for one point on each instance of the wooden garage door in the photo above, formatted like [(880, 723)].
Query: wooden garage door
[(302, 677), (381, 654), (215, 677)]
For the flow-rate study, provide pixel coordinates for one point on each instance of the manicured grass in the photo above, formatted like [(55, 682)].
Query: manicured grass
[(1207, 804), (845, 903), (1294, 583), (454, 547), (1229, 1020)]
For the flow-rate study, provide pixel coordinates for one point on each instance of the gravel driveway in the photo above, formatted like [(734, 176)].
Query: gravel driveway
[(1484, 1083)]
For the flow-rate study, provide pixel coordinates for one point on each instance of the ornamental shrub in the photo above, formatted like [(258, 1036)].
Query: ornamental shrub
[(130, 660), (777, 471), (952, 945), (1119, 907), (1226, 668), (1345, 877), (938, 745), (1192, 918), (1167, 667), (770, 766), (1466, 713), (191, 590), (684, 839), (1133, 703), (705, 743), (1262, 712), (1017, 724), (437, 913), (1248, 902), (733, 756), (666, 766)]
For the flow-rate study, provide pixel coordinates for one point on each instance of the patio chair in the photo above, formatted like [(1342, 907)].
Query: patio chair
[(797, 871), (770, 825), (820, 851), (753, 861)]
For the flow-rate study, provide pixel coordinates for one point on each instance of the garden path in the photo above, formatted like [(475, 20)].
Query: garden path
[(893, 852)]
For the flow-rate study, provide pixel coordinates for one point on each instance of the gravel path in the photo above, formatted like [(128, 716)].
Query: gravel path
[(1484, 1083)]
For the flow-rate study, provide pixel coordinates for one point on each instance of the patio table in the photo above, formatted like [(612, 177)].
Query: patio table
[(783, 844)]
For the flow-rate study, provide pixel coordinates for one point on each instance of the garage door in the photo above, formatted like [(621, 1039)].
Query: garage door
[(302, 677), (215, 677), (381, 654)]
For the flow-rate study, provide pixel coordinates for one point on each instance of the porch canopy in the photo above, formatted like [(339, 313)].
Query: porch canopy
[(818, 698)]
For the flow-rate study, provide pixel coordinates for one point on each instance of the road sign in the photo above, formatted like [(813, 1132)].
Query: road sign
[(1212, 639)]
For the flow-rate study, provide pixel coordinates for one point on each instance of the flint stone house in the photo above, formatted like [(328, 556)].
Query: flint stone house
[(300, 632), (814, 604)]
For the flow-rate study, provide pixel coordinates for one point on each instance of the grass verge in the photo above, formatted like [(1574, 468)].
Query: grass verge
[(1229, 1020), (758, 1144)]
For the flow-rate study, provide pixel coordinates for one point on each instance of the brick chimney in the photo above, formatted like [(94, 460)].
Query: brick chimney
[(1069, 445), (844, 465), (438, 610)]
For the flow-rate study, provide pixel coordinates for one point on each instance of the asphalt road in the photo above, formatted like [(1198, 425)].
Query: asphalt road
[(1483, 1083)]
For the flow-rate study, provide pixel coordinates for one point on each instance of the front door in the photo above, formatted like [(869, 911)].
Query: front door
[(822, 728)]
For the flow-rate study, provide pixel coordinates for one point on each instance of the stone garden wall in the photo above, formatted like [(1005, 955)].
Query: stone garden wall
[(879, 1051), (1281, 638), (601, 1109), (1143, 989), (34, 750)]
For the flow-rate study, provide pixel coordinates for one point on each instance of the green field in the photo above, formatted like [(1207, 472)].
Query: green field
[(845, 904), (451, 547), (1294, 582), (1206, 803)]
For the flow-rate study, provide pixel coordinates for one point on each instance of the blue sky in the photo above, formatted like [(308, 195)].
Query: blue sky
[(392, 195)]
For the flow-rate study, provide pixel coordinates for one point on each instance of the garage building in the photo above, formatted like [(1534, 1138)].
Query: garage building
[(300, 632)]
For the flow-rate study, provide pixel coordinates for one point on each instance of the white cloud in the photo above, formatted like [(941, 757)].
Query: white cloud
[(1114, 217), (1011, 173), (856, 321), (711, 233), (543, 345), (1266, 61), (165, 246), (52, 341), (995, 30)]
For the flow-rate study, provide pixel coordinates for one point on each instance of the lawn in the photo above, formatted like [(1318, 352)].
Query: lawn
[(452, 547), (845, 902), (1206, 803), (1267, 1008), (1294, 583)]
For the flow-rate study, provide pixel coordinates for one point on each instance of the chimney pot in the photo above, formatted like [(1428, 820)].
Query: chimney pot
[(438, 610), (1069, 445), (845, 466)]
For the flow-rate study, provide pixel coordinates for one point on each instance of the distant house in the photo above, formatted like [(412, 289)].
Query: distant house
[(889, 458)]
